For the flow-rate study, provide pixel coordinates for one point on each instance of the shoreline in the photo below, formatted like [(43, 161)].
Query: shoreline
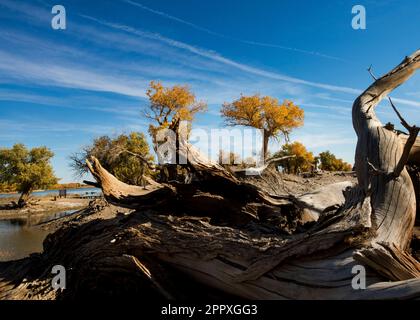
[(15, 193)]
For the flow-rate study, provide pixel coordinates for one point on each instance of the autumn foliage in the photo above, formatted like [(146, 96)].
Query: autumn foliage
[(264, 113), (169, 105), (329, 162), (305, 161)]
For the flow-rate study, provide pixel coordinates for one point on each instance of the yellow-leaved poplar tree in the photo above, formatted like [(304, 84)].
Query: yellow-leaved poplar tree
[(170, 105), (302, 161), (329, 162), (266, 113)]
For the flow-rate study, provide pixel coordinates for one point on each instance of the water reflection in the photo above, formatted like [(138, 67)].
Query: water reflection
[(18, 241), (18, 237), (39, 218)]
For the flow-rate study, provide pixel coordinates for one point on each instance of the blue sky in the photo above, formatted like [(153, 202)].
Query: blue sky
[(62, 88)]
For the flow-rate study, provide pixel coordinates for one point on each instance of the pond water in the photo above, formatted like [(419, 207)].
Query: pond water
[(81, 191), (18, 239)]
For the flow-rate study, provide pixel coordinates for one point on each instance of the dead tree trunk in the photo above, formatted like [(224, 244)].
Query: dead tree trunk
[(252, 256), (381, 158)]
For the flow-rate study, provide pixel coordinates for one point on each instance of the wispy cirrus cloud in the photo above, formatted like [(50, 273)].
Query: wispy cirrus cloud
[(214, 56), (221, 35), (86, 103), (407, 102), (336, 108), (219, 58), (56, 127), (313, 141), (21, 69), (195, 51)]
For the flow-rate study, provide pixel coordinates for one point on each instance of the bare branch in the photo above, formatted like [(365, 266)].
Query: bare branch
[(141, 157), (279, 159), (403, 122), (374, 170), (371, 73)]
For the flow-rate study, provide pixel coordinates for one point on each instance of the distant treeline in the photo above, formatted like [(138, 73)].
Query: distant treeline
[(74, 185)]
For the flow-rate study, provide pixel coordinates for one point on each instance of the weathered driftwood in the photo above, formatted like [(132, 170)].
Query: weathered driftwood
[(329, 197), (380, 159), (390, 261), (259, 171), (121, 193), (215, 193), (250, 256)]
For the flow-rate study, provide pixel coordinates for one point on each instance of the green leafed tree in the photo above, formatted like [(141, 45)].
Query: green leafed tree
[(26, 169), (127, 157)]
